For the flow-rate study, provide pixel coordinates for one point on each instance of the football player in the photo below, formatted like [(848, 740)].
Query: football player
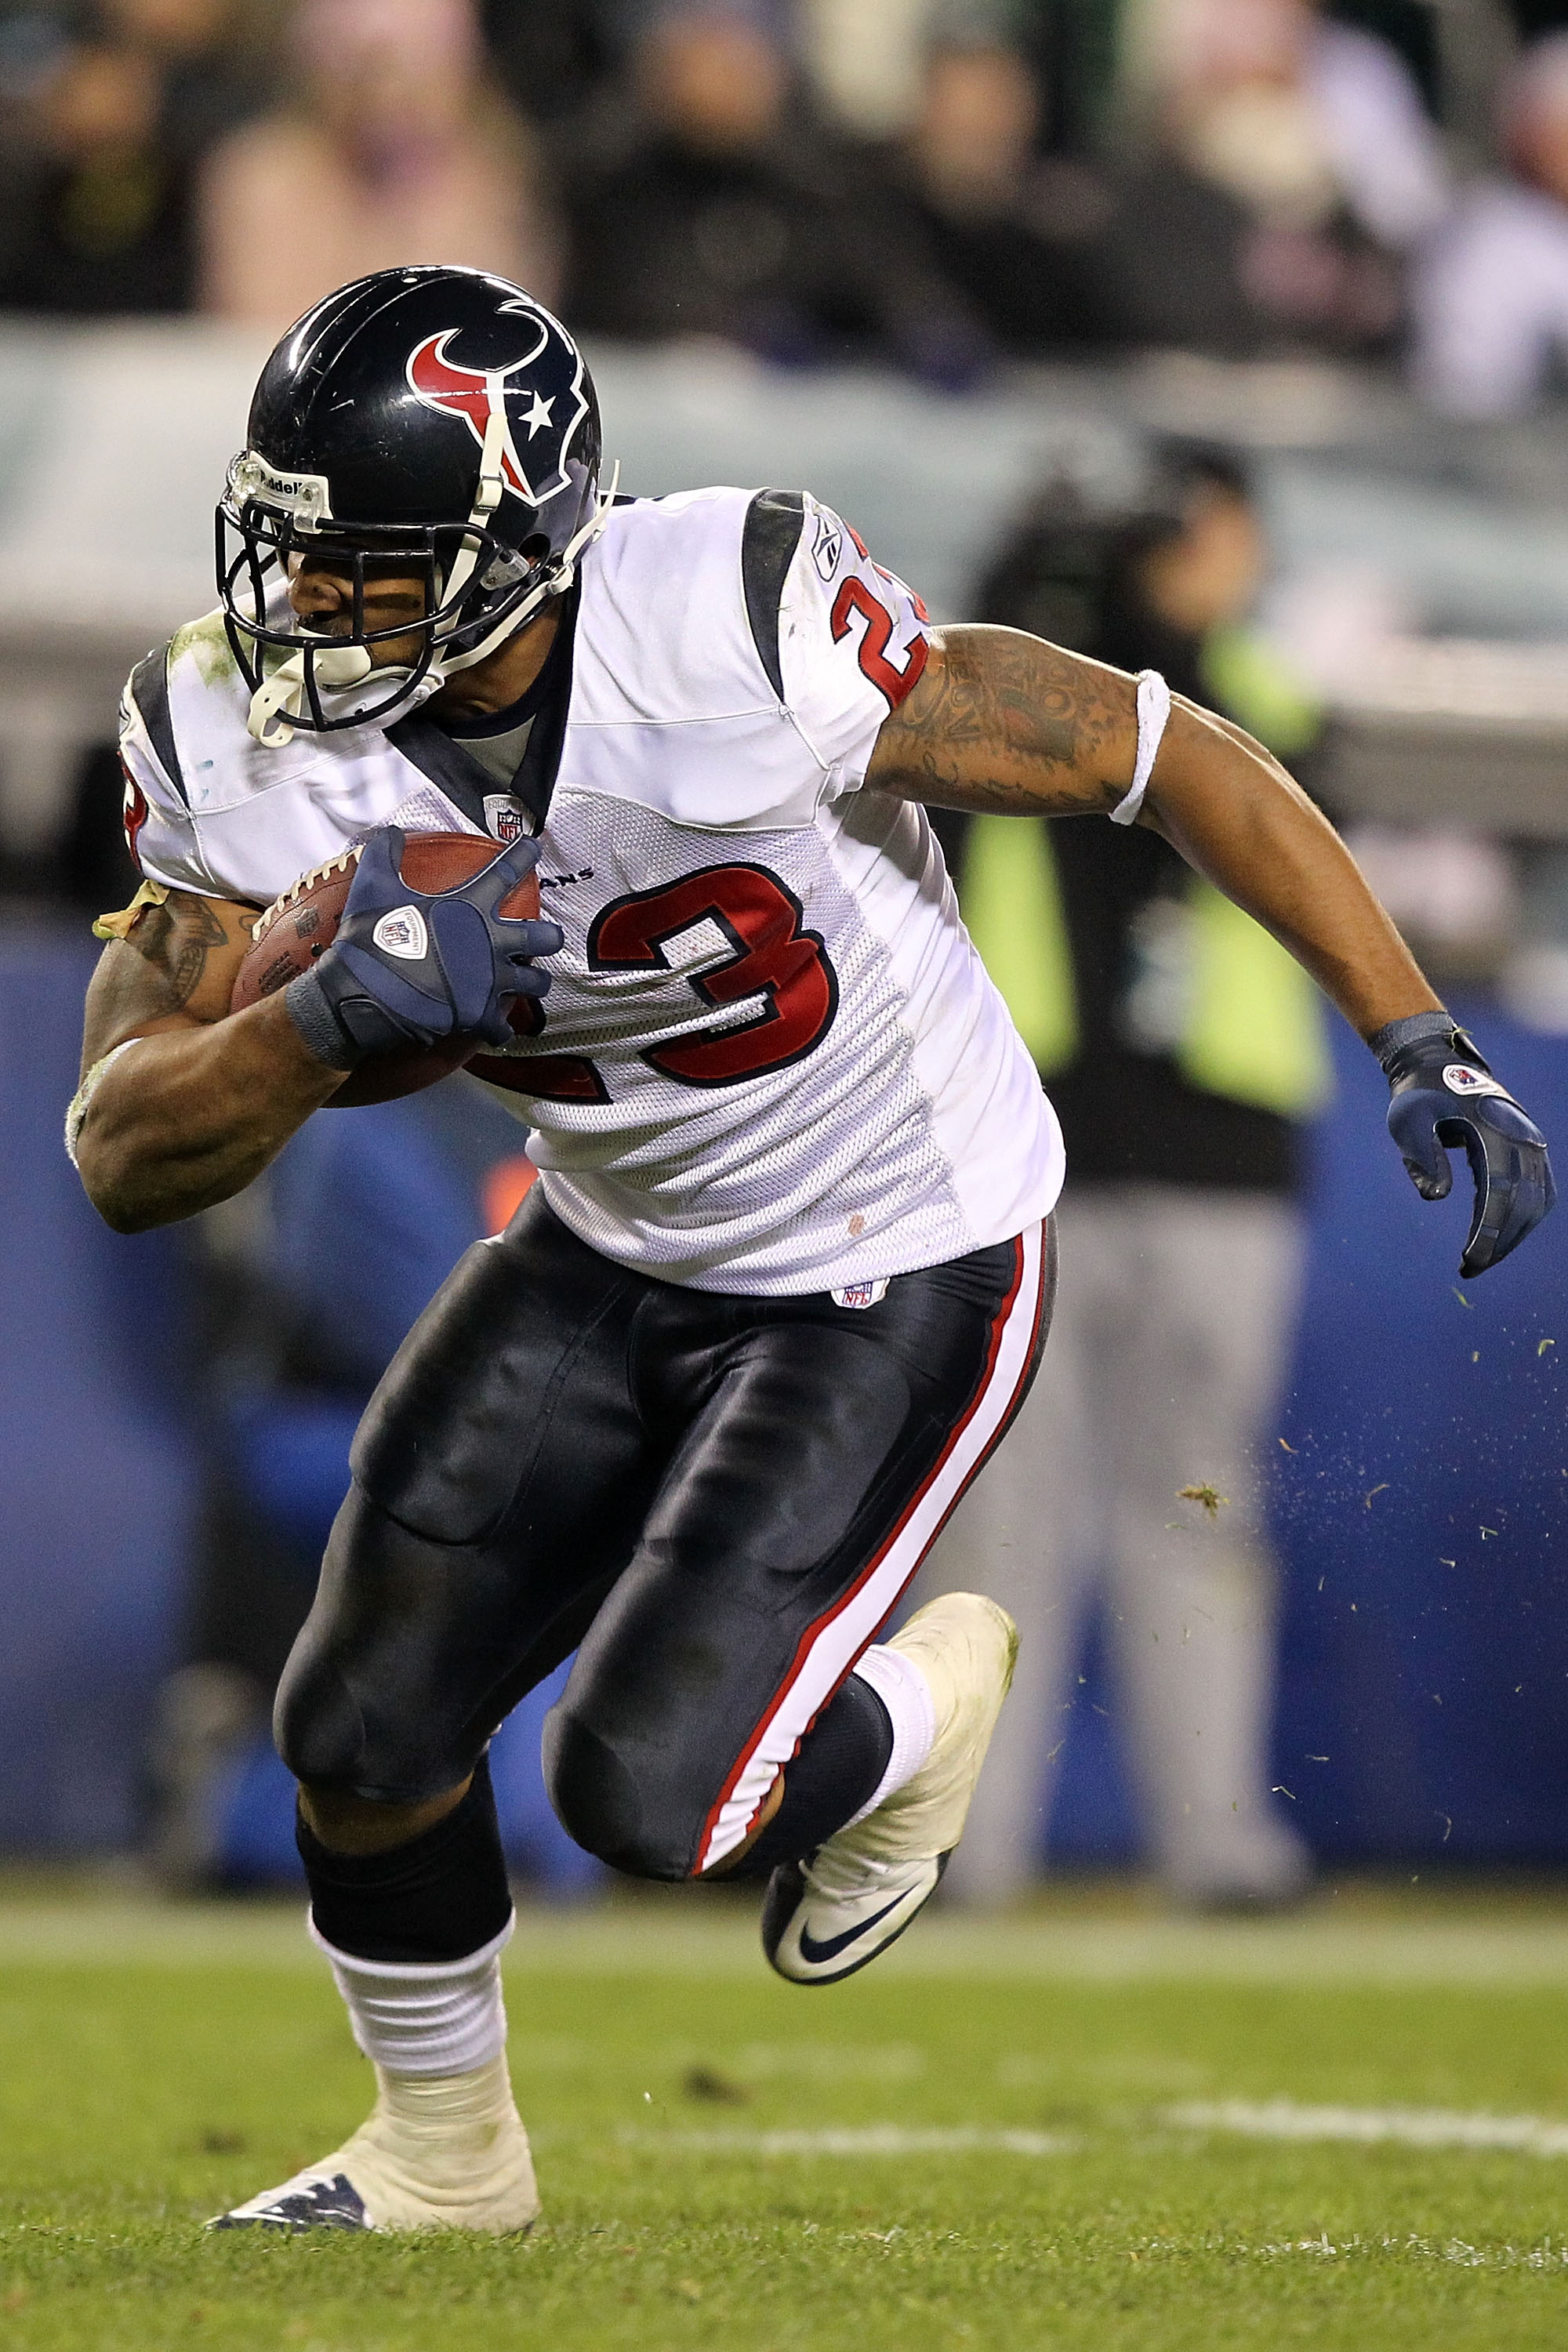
[(699, 1411)]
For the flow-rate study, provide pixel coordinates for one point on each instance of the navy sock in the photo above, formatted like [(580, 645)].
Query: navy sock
[(439, 1896), (842, 1758)]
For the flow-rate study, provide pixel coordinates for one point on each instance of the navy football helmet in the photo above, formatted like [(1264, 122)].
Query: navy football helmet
[(440, 418)]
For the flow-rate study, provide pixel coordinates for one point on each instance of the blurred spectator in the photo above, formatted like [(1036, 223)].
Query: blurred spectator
[(1013, 230), (1292, 168), (729, 209), (866, 59), (109, 210), (33, 43), (1180, 1047), (1491, 303), (107, 112), (215, 59), (554, 57), (397, 148)]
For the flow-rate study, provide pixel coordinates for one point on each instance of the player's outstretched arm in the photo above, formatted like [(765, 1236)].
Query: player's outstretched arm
[(184, 1118), (1003, 722)]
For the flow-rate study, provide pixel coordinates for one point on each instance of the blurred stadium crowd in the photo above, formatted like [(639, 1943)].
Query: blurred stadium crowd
[(934, 184)]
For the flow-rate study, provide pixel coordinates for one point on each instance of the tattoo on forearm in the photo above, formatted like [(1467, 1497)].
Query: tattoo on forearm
[(174, 940), (1005, 722)]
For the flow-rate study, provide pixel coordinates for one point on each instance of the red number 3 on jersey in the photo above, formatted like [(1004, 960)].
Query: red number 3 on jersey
[(774, 959)]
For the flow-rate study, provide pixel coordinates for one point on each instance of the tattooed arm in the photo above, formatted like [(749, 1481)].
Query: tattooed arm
[(191, 1114), (1003, 722)]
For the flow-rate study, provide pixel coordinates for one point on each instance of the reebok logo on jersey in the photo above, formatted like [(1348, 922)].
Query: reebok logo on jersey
[(860, 1294), (1461, 1079), (828, 545), (401, 933)]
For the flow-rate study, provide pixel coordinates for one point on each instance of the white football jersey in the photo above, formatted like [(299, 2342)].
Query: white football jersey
[(770, 1061)]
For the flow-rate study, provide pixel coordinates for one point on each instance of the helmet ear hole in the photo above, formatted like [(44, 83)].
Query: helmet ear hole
[(536, 547)]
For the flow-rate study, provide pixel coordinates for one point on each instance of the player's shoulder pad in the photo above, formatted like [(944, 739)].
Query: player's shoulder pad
[(662, 631), (183, 744), (716, 603), (144, 709), (185, 692), (155, 813), (851, 638), (770, 535)]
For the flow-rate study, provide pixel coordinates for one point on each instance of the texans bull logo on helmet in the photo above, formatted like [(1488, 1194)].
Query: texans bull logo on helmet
[(475, 395), (438, 416)]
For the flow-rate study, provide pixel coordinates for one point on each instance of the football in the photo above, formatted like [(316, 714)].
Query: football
[(292, 933)]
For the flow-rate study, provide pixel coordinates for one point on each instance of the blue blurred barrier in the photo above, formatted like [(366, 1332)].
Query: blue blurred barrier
[(291, 1457), (1421, 1516), (1419, 1511), (98, 1468)]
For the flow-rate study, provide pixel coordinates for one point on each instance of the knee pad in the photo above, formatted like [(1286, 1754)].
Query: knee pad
[(598, 1805), (317, 1727)]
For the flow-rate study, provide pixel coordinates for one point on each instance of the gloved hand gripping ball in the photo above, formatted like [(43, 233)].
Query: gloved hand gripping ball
[(1443, 1095), (409, 967)]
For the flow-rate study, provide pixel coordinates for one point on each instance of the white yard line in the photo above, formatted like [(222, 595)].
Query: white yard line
[(1411, 2126), (1274, 2119), (696, 1937), (870, 2139)]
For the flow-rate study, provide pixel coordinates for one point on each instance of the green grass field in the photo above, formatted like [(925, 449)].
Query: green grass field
[(1086, 2126)]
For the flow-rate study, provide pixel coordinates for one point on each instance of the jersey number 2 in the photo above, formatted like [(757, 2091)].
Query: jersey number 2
[(774, 957), (856, 597)]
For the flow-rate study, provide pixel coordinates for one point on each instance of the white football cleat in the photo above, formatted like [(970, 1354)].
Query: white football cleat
[(443, 2152), (828, 1916)]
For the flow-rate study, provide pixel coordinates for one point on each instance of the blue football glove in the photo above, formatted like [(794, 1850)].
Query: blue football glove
[(408, 969), (1445, 1094)]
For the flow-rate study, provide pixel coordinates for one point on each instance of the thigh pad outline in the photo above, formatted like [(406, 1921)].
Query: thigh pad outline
[(450, 1436)]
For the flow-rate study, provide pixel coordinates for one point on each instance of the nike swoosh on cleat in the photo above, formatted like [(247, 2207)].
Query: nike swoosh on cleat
[(812, 1952)]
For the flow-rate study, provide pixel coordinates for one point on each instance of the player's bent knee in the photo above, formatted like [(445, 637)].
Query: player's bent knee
[(317, 1727), (598, 1803)]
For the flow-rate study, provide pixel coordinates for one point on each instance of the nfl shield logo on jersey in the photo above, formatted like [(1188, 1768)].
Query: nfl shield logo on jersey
[(504, 818), (860, 1294)]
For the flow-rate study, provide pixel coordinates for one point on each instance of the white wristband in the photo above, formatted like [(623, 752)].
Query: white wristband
[(1153, 710), (85, 1093)]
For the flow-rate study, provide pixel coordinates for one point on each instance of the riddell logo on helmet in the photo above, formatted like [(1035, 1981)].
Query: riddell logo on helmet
[(477, 395)]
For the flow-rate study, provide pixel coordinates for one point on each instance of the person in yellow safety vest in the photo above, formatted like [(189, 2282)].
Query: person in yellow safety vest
[(1183, 1049)]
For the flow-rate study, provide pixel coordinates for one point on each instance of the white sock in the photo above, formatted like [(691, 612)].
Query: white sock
[(906, 1694), (413, 2017)]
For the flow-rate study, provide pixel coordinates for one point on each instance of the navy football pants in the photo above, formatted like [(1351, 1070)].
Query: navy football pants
[(716, 1501)]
